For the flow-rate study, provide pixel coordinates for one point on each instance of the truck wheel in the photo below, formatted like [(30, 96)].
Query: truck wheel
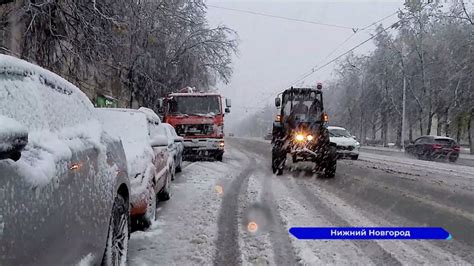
[(330, 170), (279, 171), (219, 157), (277, 164)]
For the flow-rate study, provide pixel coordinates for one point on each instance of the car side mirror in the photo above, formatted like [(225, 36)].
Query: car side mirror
[(228, 103), (277, 102), (227, 110), (13, 139), (179, 139), (159, 141)]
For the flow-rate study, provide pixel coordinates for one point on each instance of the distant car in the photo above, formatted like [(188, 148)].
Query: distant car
[(147, 158), (176, 146), (64, 191), (434, 147), (347, 145)]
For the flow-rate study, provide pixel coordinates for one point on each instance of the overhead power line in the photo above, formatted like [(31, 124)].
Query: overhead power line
[(344, 42), (316, 68), (284, 18)]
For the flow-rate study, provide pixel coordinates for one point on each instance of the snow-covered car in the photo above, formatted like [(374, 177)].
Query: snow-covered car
[(64, 191), (147, 158), (347, 145), (176, 146)]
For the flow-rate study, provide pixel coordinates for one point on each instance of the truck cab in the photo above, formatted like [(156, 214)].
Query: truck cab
[(198, 117)]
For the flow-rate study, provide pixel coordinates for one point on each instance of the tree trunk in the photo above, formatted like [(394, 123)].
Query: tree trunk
[(384, 134), (410, 132), (470, 130), (459, 129), (420, 119), (439, 124), (430, 123), (399, 135)]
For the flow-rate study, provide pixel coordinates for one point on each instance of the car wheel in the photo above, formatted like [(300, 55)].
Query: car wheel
[(165, 193), (219, 157), (453, 159), (330, 170), (117, 238), (150, 215), (178, 168), (355, 157)]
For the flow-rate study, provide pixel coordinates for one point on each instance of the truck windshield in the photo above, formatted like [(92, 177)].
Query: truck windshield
[(195, 105)]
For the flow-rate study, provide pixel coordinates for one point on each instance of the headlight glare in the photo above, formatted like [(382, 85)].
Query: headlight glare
[(309, 137), (299, 137)]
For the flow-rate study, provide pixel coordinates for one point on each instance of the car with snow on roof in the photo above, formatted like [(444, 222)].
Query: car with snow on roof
[(347, 145), (175, 146), (64, 191), (148, 159)]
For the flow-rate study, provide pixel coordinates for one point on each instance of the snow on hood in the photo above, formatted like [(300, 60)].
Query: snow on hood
[(40, 160), (344, 141)]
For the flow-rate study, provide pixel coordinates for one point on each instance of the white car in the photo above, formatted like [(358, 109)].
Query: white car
[(177, 146), (347, 145), (147, 156)]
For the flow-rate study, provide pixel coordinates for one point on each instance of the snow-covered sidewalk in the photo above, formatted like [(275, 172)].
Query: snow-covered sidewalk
[(186, 227)]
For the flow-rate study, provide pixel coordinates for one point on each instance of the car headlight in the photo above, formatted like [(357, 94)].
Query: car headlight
[(299, 137), (310, 137), (357, 144)]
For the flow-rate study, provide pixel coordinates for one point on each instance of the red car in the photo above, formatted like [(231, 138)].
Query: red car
[(434, 147), (148, 159)]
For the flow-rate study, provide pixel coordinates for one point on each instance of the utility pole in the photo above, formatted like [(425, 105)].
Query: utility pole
[(403, 111)]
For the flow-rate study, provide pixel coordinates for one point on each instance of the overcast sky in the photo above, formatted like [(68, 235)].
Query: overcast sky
[(273, 52)]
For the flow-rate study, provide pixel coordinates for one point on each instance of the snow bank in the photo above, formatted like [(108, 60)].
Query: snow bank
[(58, 117)]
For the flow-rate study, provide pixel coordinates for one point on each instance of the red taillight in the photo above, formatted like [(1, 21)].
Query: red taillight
[(457, 148), (437, 146)]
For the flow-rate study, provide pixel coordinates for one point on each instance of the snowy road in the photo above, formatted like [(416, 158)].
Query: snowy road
[(206, 221)]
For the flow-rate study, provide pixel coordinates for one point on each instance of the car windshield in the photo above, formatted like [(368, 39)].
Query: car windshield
[(339, 133), (236, 132), (195, 105)]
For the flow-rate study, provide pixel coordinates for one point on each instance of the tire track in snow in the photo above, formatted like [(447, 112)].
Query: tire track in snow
[(283, 251), (374, 251), (227, 243), (256, 246), (356, 203)]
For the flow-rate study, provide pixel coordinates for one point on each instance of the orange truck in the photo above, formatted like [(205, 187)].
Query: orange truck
[(199, 118)]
